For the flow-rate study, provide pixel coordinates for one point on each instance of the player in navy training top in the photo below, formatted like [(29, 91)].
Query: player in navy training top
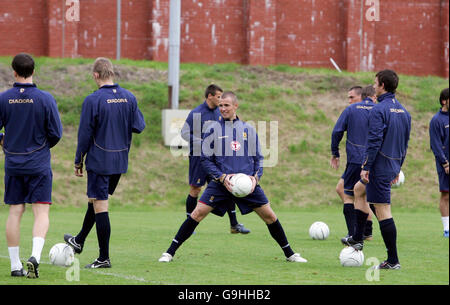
[(354, 121), (231, 147), (109, 116), (192, 132), (32, 126), (439, 145), (389, 131), (353, 96)]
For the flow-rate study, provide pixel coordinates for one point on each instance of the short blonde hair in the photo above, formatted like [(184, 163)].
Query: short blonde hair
[(104, 67)]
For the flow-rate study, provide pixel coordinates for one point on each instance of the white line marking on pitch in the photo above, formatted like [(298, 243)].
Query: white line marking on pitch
[(126, 277)]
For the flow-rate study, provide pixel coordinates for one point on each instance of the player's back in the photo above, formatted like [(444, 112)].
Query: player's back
[(110, 115), (32, 127)]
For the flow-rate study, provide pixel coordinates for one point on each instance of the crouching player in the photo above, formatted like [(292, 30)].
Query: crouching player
[(232, 147)]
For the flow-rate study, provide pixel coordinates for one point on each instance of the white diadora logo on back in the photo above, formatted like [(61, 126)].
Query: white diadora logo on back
[(235, 145)]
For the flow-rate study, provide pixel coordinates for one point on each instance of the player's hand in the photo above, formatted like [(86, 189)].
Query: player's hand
[(446, 166), (79, 172), (395, 179), (254, 183), (334, 162), (227, 183), (365, 176)]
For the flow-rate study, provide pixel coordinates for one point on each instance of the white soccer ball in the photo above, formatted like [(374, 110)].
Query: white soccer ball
[(319, 230), (351, 257), (61, 255), (401, 180), (242, 185)]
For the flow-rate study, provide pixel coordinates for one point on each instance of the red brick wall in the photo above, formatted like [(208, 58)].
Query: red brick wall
[(410, 37)]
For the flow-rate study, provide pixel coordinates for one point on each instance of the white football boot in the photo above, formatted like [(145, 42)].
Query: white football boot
[(165, 258), (296, 258)]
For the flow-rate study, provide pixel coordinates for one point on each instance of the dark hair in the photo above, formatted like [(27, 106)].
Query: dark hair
[(23, 64), (367, 92), (389, 78), (212, 89), (444, 96), (358, 89)]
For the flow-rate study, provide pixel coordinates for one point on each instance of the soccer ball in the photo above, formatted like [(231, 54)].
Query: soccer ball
[(401, 179), (319, 230), (351, 257), (61, 255), (242, 185)]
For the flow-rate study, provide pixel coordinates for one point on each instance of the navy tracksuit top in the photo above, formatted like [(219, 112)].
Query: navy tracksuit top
[(389, 131), (355, 120), (32, 126), (231, 148), (109, 116), (192, 130), (439, 141)]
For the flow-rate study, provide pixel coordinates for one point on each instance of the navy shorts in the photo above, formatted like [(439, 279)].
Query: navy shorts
[(443, 181), (197, 176), (351, 176), (100, 186), (219, 198), (29, 189), (378, 189)]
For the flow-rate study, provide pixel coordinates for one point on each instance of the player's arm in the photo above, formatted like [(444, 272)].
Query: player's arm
[(336, 136), (138, 119), (436, 143), (257, 160), (54, 125), (186, 130), (375, 137), (85, 134), (209, 152)]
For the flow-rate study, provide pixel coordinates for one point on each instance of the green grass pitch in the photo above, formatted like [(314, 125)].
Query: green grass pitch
[(213, 256)]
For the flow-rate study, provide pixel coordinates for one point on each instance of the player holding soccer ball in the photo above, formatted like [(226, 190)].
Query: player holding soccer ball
[(32, 127), (440, 145), (192, 132), (109, 116), (389, 131), (231, 147)]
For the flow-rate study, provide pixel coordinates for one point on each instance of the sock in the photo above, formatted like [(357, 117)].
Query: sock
[(38, 245), (88, 223), (183, 234), (361, 219), (277, 232), (349, 214), (232, 215), (368, 228), (389, 233), (191, 203), (16, 264), (103, 233), (445, 223)]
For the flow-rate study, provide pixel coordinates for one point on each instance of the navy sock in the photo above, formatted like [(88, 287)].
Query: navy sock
[(349, 214), (191, 203), (232, 215), (389, 233), (88, 223), (185, 231), (361, 219), (368, 228), (277, 232), (103, 233)]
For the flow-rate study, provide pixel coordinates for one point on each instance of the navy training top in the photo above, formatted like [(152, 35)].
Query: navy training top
[(32, 126), (109, 116), (355, 120)]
